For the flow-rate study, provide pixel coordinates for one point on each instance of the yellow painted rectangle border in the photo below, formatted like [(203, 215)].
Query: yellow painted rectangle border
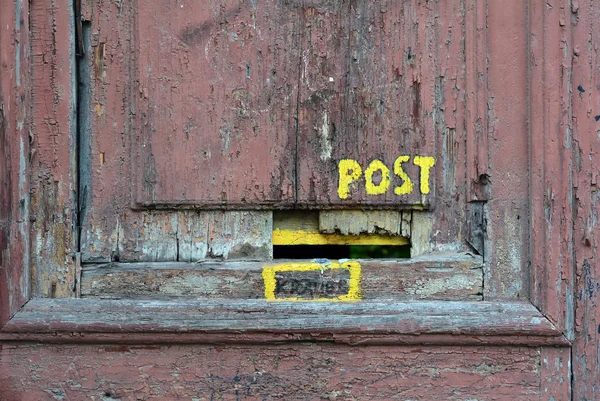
[(353, 267), (301, 237)]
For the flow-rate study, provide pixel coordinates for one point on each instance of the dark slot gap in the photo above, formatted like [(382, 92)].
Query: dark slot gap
[(341, 251)]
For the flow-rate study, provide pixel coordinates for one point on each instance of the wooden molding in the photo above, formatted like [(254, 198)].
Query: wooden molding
[(432, 277), (225, 321)]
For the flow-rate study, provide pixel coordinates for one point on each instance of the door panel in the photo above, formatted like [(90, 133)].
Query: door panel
[(372, 90), (290, 372), (217, 102), (267, 105), (239, 104)]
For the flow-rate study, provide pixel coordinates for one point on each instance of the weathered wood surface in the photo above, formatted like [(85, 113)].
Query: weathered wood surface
[(553, 158), (338, 227), (53, 155), (257, 321), (372, 87), (15, 126), (477, 103), (419, 85), (508, 231), (209, 85), (403, 93), (585, 145), (272, 372), (370, 77), (556, 364), (218, 81), (355, 222), (177, 236), (452, 277)]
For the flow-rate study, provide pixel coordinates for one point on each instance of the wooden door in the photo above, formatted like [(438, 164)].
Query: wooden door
[(242, 106), (205, 171)]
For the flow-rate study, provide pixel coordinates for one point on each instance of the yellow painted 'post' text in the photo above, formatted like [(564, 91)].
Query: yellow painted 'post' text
[(425, 163), (407, 186), (349, 171), (383, 185)]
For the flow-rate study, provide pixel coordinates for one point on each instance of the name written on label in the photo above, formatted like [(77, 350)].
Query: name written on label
[(350, 173), (311, 281)]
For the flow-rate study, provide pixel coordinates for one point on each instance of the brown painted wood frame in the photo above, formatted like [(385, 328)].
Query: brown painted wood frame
[(551, 100)]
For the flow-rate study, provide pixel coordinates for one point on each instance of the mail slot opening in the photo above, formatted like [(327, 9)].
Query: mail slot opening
[(341, 251), (344, 234)]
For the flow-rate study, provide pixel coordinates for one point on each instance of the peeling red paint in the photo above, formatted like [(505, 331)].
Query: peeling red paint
[(270, 372)]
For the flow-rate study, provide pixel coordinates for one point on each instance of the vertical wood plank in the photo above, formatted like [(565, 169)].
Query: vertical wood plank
[(476, 86), (447, 225), (14, 160), (584, 17), (506, 266), (406, 223), (551, 163), (421, 242), (53, 156)]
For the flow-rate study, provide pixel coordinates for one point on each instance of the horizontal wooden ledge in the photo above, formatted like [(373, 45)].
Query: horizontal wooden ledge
[(260, 321), (280, 205), (435, 277)]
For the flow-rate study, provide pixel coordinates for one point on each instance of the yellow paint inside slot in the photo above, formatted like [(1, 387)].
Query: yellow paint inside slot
[(302, 237)]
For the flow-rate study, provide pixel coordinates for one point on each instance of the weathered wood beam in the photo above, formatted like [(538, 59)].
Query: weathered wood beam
[(223, 321), (448, 276)]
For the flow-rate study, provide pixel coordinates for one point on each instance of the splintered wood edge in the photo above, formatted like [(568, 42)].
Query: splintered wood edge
[(304, 228), (260, 321), (301, 237)]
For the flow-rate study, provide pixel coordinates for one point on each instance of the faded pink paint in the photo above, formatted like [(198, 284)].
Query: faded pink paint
[(217, 87), (14, 157), (551, 165), (53, 183), (585, 148), (273, 372)]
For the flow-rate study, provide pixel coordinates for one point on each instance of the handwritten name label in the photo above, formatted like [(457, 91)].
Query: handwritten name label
[(313, 284), (350, 172), (311, 281)]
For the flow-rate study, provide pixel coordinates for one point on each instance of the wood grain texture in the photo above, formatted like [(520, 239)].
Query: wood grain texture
[(208, 86), (53, 155), (14, 161), (398, 70), (586, 198), (187, 235), (507, 245), (476, 98), (552, 163), (218, 88), (556, 364), (369, 89), (355, 222), (450, 277), (271, 372), (259, 320)]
